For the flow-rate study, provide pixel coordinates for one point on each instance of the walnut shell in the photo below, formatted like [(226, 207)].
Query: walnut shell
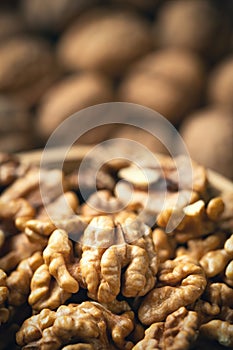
[(25, 61), (70, 96), (52, 15), (105, 40), (169, 81), (208, 134), (220, 86), (196, 25)]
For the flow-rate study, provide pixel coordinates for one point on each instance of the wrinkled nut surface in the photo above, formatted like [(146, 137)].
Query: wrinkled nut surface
[(178, 331), (180, 282), (216, 302), (19, 280), (45, 292), (57, 255), (221, 331), (197, 248), (102, 260), (216, 261), (88, 321), (10, 166), (4, 313), (100, 203), (197, 219), (17, 248), (165, 244), (131, 287)]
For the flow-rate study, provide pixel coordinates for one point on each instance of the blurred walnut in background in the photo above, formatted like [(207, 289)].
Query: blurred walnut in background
[(27, 68), (52, 15), (169, 81), (175, 57), (208, 134), (106, 40), (220, 85), (194, 24), (71, 95)]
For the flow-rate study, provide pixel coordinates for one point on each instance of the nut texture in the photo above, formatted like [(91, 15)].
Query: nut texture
[(182, 281), (88, 321), (178, 331)]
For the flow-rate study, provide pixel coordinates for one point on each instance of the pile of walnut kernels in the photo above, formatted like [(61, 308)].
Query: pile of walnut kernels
[(140, 288)]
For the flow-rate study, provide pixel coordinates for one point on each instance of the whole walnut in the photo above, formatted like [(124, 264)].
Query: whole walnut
[(69, 96), (220, 85), (208, 134), (52, 15), (169, 81), (106, 40), (196, 25), (27, 68)]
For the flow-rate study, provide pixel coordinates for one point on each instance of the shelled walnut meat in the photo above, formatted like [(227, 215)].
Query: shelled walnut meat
[(98, 275)]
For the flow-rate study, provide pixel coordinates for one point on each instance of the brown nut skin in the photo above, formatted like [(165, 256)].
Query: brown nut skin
[(103, 260), (178, 331), (217, 261), (221, 331), (182, 282), (196, 219), (101, 202), (45, 292), (164, 244), (10, 169), (70, 96), (197, 248), (19, 280), (11, 212), (17, 248), (214, 153), (4, 312), (216, 302), (180, 25), (118, 38), (52, 16), (220, 84), (58, 255), (170, 81), (89, 322)]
